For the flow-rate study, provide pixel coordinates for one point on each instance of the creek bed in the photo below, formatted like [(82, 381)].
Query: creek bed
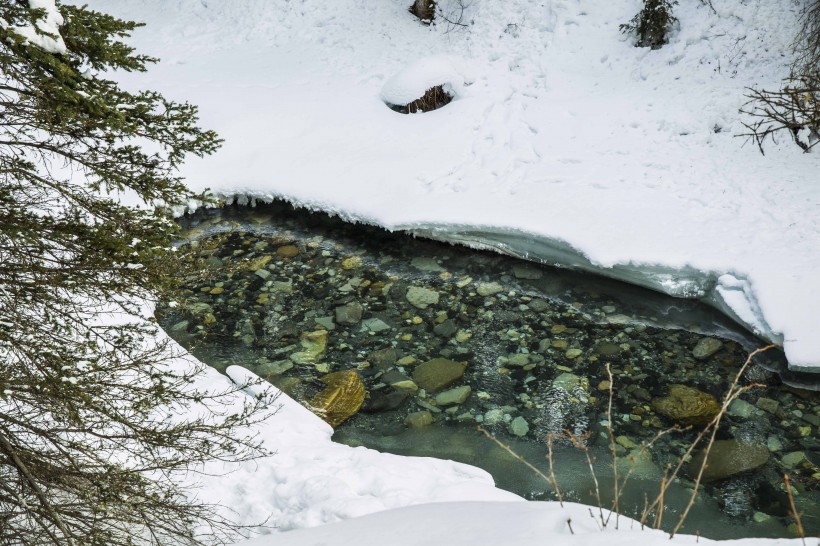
[(445, 338)]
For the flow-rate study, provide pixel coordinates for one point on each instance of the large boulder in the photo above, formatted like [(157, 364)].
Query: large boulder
[(727, 458), (687, 406)]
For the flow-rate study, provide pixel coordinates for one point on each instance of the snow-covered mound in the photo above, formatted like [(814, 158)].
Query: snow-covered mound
[(633, 159), (410, 83)]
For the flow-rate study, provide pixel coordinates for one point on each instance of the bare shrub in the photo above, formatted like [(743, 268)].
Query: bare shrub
[(433, 98), (651, 25)]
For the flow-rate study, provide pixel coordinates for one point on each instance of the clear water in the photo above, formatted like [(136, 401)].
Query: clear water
[(267, 275)]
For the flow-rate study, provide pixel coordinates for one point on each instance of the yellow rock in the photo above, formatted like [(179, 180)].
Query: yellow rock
[(341, 399), (687, 406), (288, 251), (216, 291), (354, 262), (258, 263), (314, 344)]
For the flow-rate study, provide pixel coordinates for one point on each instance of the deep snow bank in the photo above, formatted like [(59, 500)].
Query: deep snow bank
[(633, 158)]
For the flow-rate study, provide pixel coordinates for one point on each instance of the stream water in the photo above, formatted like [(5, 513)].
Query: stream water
[(446, 339)]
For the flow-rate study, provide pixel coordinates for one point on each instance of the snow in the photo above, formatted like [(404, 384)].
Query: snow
[(632, 159), (45, 33), (570, 145)]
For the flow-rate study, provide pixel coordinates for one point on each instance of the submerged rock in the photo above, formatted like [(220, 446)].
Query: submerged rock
[(687, 405), (727, 458), (706, 347), (438, 373), (341, 399), (313, 345)]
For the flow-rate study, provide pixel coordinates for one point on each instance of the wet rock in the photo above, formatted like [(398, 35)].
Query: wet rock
[(687, 406), (269, 369), (573, 353), (389, 401), (794, 459), (706, 347), (422, 298), (350, 313), (438, 373), (606, 349), (287, 251), (374, 325), (488, 288), (424, 263), (325, 322), (457, 395), (216, 291), (570, 382), (527, 272), (773, 443), (341, 399), (639, 463), (518, 360), (768, 405), (519, 426), (446, 329), (313, 346), (419, 419), (383, 358), (494, 417), (262, 274), (728, 458), (538, 305), (741, 408)]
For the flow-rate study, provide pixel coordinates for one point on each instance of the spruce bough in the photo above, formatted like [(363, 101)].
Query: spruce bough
[(98, 421)]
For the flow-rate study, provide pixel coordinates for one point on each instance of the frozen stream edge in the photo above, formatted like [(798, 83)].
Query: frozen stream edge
[(729, 293)]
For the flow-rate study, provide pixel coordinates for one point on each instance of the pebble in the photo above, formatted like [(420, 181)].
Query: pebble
[(419, 419), (767, 404), (741, 408), (519, 426), (421, 298), (488, 288), (706, 347), (374, 325), (457, 395), (287, 251)]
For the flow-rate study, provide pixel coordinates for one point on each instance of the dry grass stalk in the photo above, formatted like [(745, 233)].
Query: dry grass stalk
[(795, 514), (433, 98)]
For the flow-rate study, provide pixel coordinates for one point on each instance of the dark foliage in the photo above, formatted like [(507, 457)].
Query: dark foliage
[(651, 25)]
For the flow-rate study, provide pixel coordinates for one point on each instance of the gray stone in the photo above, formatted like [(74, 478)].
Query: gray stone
[(447, 328), (741, 408), (180, 326), (569, 382), (606, 348), (812, 419), (426, 264), (519, 426), (768, 405), (392, 377), (421, 298), (325, 322), (494, 416), (386, 401), (267, 369), (375, 325), (419, 419), (213, 263), (527, 272), (538, 305), (760, 517), (262, 274), (349, 313), (706, 347), (519, 360), (773, 443), (438, 373), (794, 459), (488, 288), (453, 396), (383, 358), (727, 458), (283, 287)]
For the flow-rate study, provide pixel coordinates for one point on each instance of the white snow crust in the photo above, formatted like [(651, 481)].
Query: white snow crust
[(634, 159), (411, 82), (45, 33)]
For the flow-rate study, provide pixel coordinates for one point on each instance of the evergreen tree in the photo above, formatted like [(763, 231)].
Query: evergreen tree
[(96, 426)]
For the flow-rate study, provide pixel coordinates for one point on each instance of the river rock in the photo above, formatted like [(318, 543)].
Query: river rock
[(453, 396), (421, 298), (605, 348), (570, 382), (768, 405), (350, 313), (519, 426), (313, 345), (488, 288), (727, 458), (438, 373), (794, 459), (287, 251), (268, 369), (387, 401), (426, 264), (419, 419), (741, 408), (687, 406), (374, 325), (527, 272), (341, 399), (446, 328), (706, 347)]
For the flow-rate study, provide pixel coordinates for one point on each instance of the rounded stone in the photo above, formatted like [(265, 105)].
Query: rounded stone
[(421, 298), (727, 458), (438, 373), (706, 347), (288, 251), (687, 406)]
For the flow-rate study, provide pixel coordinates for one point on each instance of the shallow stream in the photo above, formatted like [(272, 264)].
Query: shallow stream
[(445, 339)]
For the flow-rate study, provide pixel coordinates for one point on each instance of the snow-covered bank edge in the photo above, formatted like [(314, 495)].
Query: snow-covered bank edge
[(728, 292)]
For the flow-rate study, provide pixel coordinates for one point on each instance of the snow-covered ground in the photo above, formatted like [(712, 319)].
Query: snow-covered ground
[(563, 140), (562, 136)]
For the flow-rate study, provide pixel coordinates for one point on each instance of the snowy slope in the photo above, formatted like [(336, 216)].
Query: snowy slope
[(568, 135)]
